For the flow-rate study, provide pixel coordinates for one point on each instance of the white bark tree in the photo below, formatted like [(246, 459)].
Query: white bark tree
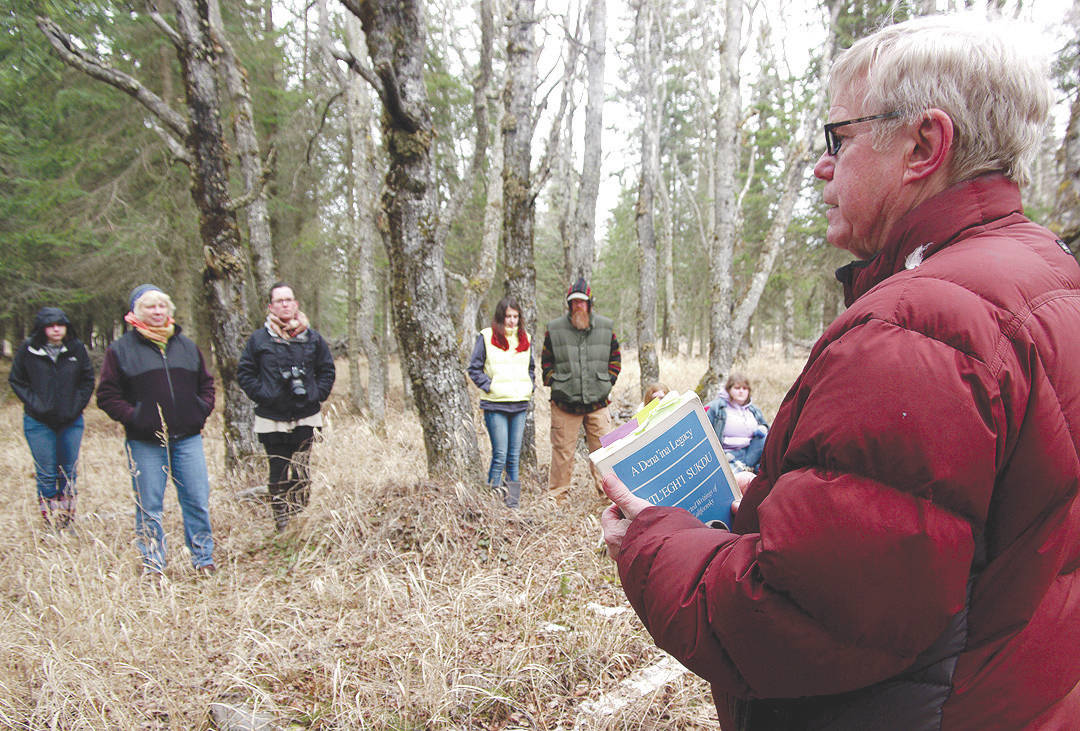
[(583, 252), (478, 282), (260, 239), (721, 248), (647, 53)]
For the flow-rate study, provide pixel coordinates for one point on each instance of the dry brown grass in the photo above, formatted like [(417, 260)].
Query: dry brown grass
[(394, 603)]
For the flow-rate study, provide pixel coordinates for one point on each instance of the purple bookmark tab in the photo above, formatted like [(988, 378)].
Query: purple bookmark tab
[(618, 432)]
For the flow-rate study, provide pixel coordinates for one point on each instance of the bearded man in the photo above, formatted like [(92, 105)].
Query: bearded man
[(580, 362)]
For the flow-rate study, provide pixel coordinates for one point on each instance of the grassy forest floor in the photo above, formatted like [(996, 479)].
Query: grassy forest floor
[(394, 602)]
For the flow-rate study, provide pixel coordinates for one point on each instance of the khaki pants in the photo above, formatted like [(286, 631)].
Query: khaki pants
[(565, 428)]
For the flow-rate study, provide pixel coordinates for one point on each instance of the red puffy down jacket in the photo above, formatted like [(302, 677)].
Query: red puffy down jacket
[(907, 557)]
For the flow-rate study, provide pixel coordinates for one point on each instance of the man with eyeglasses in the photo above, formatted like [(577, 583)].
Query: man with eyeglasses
[(908, 555)]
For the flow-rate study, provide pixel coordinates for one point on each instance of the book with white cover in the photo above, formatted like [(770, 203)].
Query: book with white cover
[(674, 458)]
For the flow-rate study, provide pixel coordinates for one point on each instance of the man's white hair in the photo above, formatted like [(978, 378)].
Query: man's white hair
[(993, 85)]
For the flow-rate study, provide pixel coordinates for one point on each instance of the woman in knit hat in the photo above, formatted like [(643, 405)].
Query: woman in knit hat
[(53, 377), (155, 382)]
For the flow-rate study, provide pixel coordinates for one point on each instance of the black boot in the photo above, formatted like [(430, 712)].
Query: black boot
[(296, 498), (279, 505), (513, 494)]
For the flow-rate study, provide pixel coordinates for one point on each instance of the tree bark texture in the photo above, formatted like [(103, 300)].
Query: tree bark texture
[(721, 254), (363, 188), (260, 240), (478, 282), (519, 198), (366, 185), (225, 272), (584, 251), (395, 38), (669, 335), (645, 57)]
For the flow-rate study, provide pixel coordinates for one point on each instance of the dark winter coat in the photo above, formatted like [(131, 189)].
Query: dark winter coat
[(264, 360), (54, 393), (580, 366), (907, 557), (138, 379)]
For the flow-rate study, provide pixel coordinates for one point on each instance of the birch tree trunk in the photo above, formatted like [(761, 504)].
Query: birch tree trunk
[(366, 235), (787, 332), (584, 251), (669, 333), (480, 283), (645, 57), (721, 250), (519, 199), (203, 149), (730, 320), (396, 38)]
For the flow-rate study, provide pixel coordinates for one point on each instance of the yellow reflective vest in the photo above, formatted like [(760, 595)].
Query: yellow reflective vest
[(507, 369)]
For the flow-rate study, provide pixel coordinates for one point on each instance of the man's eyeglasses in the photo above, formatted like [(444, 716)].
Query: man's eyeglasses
[(833, 140)]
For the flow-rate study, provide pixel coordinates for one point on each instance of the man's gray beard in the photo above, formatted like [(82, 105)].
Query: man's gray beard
[(580, 319)]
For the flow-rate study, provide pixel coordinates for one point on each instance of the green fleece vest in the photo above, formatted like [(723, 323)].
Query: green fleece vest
[(580, 374)]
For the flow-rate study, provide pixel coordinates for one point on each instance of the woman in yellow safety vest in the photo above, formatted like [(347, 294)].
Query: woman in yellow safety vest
[(502, 367)]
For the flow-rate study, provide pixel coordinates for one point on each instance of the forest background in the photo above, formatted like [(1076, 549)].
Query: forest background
[(404, 166), (403, 172)]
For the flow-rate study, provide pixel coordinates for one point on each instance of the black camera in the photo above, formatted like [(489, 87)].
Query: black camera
[(294, 376)]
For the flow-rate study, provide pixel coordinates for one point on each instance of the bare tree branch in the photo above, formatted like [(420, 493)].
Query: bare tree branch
[(160, 22), (322, 123), (383, 76), (235, 204), (358, 68), (481, 82), (93, 66), (570, 68), (176, 147)]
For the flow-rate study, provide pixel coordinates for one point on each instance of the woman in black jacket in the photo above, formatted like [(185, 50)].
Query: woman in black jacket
[(155, 382), (288, 371), (53, 377)]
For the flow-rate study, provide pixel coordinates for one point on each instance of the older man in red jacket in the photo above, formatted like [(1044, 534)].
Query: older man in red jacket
[(907, 557)]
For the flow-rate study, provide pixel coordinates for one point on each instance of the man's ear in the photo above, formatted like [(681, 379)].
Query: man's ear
[(931, 148)]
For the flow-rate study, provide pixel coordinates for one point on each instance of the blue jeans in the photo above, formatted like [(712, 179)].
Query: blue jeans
[(750, 455), (505, 431), (151, 465), (55, 452)]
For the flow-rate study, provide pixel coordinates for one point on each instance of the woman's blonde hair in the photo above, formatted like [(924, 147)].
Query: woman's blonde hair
[(151, 297)]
